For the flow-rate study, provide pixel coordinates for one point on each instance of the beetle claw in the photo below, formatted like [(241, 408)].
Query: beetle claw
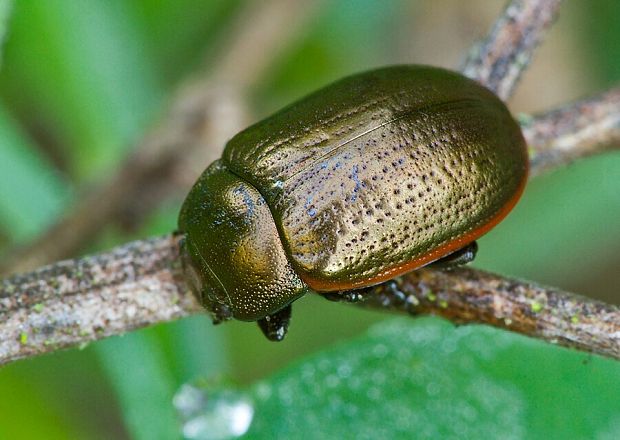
[(274, 326), (350, 296), (462, 256), (221, 314)]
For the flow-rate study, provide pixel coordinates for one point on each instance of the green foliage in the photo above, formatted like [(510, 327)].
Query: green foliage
[(5, 13), (348, 36), (572, 202), (80, 81), (85, 72), (32, 193), (427, 379), (438, 381), (137, 370)]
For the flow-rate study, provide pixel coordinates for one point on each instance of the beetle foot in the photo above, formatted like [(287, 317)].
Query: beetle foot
[(220, 314), (457, 258), (350, 296), (274, 326)]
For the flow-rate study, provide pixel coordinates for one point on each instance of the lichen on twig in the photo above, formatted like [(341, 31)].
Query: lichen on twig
[(473, 296), (76, 301)]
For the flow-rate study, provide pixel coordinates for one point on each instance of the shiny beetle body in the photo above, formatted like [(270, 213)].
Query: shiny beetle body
[(371, 177)]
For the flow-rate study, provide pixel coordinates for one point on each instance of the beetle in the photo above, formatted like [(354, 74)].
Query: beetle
[(371, 177)]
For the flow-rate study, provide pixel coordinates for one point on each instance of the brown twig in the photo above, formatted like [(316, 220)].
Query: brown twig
[(574, 131), (77, 301), (474, 296), (499, 60), (204, 113)]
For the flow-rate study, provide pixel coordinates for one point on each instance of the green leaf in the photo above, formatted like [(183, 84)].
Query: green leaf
[(347, 36), (143, 383), (80, 68), (174, 48), (25, 413), (427, 379), (5, 13), (32, 194), (193, 347), (565, 225)]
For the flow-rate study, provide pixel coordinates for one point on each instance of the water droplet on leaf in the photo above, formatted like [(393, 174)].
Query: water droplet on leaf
[(219, 415)]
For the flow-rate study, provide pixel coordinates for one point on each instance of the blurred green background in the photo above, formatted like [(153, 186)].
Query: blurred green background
[(81, 82)]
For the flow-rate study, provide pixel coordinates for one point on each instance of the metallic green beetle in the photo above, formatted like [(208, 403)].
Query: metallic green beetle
[(371, 177)]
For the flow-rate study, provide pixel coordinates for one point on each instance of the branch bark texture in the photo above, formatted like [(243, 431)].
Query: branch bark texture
[(498, 61), (77, 301), (561, 136), (469, 296)]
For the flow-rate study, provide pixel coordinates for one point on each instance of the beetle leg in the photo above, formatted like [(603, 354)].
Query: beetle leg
[(274, 326), (351, 296), (457, 258)]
